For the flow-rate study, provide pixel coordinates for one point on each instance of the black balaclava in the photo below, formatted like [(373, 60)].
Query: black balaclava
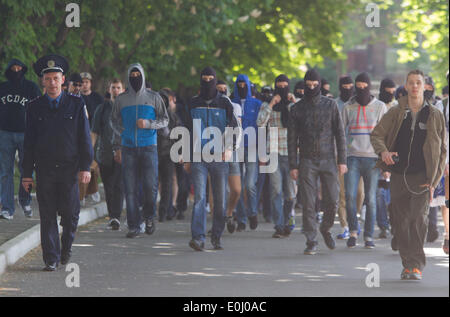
[(282, 106), (208, 90), (429, 94), (363, 95), (282, 92), (242, 92), (15, 77), (300, 85), (384, 95), (136, 82), (312, 75), (346, 94), (324, 91)]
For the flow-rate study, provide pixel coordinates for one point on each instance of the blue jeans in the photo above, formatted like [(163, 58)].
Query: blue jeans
[(140, 164), (383, 201), (10, 143), (219, 180), (365, 167), (282, 193), (249, 177)]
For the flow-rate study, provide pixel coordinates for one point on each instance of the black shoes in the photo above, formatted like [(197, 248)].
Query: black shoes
[(133, 233), (278, 234), (253, 222), (217, 245), (52, 267), (150, 227), (231, 224), (329, 241), (240, 227), (287, 231), (197, 245), (180, 215), (65, 257), (311, 249)]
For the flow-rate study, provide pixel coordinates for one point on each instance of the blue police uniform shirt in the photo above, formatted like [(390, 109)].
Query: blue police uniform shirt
[(50, 99)]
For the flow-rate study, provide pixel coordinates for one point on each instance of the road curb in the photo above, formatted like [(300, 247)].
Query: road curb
[(14, 249)]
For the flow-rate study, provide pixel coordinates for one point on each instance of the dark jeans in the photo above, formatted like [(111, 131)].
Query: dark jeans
[(184, 187), (383, 201), (166, 169), (433, 218), (219, 180), (140, 164), (310, 171), (264, 196), (10, 143), (409, 218), (113, 184)]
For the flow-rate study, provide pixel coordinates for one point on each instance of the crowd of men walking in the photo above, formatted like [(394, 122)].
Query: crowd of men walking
[(336, 156)]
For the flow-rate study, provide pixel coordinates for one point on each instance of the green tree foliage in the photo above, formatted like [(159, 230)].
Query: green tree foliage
[(424, 28), (175, 39)]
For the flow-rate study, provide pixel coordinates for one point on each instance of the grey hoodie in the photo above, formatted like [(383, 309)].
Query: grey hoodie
[(131, 106)]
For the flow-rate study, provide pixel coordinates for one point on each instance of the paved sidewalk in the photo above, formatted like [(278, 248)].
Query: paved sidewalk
[(252, 264), (10, 229)]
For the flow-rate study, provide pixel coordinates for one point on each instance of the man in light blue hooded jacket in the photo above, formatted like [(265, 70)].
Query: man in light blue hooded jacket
[(137, 115)]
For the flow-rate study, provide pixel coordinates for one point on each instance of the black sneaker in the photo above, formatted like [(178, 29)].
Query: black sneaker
[(241, 227), (287, 231), (329, 241), (217, 245), (351, 242), (311, 249), (231, 224), (133, 233), (180, 215), (197, 245), (65, 257), (253, 222), (52, 267), (278, 234), (149, 227), (114, 224), (369, 245)]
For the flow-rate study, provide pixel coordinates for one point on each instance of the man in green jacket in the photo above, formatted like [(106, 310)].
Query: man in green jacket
[(412, 143)]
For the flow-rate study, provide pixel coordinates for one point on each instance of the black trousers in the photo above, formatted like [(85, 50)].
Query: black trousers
[(57, 198), (166, 171), (113, 184), (409, 218), (310, 172)]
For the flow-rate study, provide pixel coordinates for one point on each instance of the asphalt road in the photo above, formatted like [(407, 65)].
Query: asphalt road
[(252, 264)]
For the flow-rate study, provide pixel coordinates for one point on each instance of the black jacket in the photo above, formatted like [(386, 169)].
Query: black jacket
[(57, 142), (14, 97), (316, 128)]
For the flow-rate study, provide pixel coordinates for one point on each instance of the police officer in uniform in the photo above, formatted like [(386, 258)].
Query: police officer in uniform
[(58, 148)]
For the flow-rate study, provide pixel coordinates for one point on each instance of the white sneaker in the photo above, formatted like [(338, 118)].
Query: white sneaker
[(96, 197), (83, 202), (143, 227), (5, 215)]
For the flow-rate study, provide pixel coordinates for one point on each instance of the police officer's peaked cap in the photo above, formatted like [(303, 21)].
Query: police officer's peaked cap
[(50, 64)]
